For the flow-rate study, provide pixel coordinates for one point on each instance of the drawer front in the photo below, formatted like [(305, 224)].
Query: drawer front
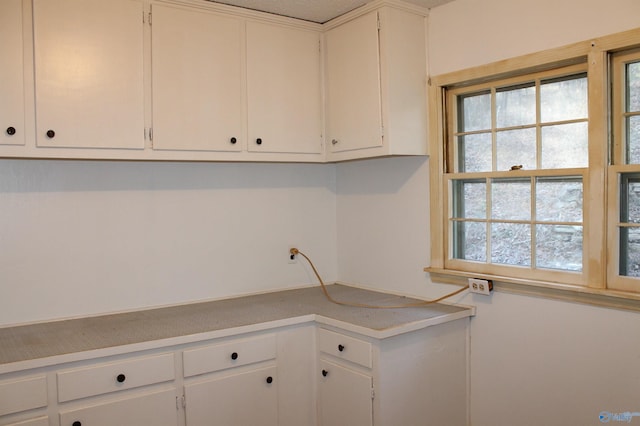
[(345, 347), (227, 355), (23, 394), (40, 421), (110, 377)]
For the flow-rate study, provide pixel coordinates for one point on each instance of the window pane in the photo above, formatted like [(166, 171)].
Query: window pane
[(475, 112), (559, 247), (630, 252), (470, 241), (633, 87), (565, 146), (630, 198), (559, 199), (563, 99), (515, 107), (516, 147), (470, 199), (474, 153), (633, 139), (511, 199), (511, 244)]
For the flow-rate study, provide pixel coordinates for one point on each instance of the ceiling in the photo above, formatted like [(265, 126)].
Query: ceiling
[(314, 10)]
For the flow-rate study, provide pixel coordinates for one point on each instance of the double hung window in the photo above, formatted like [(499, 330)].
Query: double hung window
[(536, 170), (624, 174), (519, 153)]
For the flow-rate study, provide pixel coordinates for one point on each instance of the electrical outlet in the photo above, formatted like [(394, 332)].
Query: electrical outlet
[(480, 286), (292, 258)]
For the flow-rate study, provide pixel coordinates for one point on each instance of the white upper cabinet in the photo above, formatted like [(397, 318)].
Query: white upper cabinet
[(197, 75), (12, 107), (89, 73), (202, 81), (354, 118), (376, 72), (284, 89)]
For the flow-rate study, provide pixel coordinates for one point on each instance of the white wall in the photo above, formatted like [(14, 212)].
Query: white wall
[(83, 238), (467, 33), (533, 361)]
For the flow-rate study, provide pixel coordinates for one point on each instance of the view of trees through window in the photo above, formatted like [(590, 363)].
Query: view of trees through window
[(528, 219), (630, 182)]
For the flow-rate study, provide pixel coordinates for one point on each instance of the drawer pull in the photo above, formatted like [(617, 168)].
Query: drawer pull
[(11, 131), (76, 423), (325, 373), (233, 140), (234, 356), (341, 348), (269, 380), (259, 141), (121, 378), (51, 134)]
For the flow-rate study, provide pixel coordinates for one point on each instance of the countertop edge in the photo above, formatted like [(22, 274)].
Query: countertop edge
[(393, 331)]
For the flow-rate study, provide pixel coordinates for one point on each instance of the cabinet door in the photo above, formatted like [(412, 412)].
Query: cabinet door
[(283, 89), (89, 73), (12, 82), (157, 409), (248, 398), (197, 80), (345, 396), (354, 119)]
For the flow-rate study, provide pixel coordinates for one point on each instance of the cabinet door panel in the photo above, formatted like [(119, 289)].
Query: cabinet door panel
[(284, 89), (239, 399), (12, 81), (89, 73), (197, 80), (345, 396), (354, 118), (157, 409)]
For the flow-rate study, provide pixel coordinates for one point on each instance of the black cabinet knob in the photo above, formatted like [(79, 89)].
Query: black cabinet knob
[(341, 348), (325, 373), (234, 356), (233, 141), (121, 378), (11, 131), (76, 423), (51, 134), (269, 379), (259, 141)]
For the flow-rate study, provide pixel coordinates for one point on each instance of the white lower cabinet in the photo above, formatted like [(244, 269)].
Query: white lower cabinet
[(132, 391), (417, 378), (345, 396), (157, 409), (232, 383), (22, 394), (245, 398), (22, 401), (296, 375)]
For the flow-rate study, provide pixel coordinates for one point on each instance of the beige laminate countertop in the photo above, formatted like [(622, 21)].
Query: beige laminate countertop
[(36, 345)]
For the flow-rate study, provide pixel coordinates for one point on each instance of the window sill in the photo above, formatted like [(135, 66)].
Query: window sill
[(570, 293)]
